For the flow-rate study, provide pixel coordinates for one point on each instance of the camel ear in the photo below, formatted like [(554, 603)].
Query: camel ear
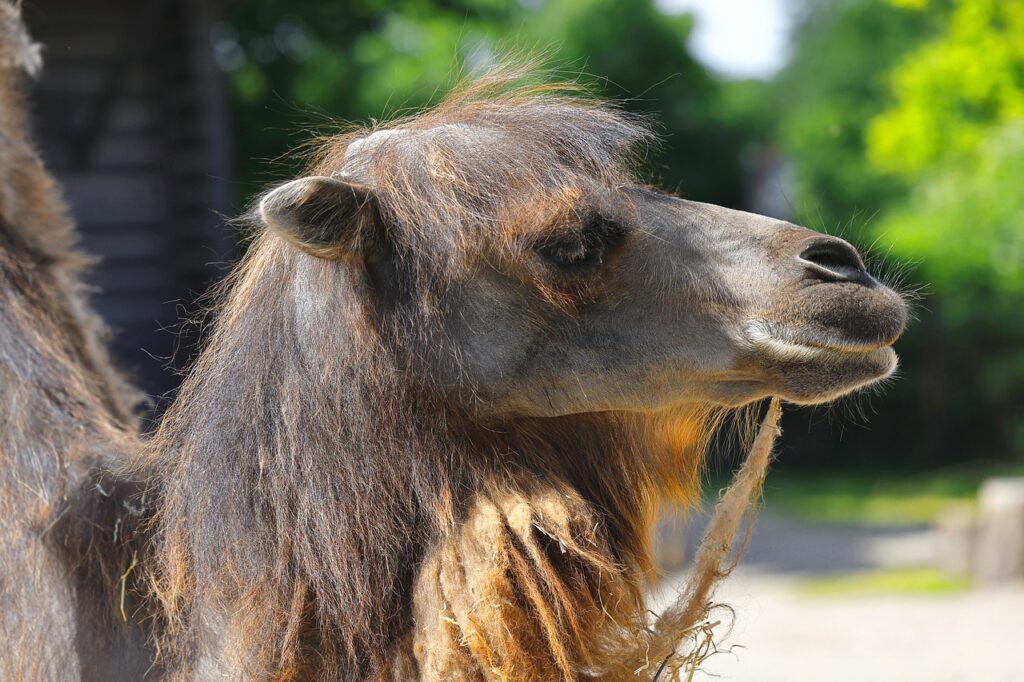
[(325, 217)]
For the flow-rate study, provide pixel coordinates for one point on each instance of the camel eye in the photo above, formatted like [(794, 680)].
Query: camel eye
[(581, 250)]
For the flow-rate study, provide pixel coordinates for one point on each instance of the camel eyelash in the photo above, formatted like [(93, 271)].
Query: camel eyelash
[(581, 250)]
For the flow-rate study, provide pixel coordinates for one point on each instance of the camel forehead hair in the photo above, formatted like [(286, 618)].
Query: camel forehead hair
[(359, 152)]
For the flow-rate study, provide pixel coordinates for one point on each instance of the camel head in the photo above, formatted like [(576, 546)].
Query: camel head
[(523, 271)]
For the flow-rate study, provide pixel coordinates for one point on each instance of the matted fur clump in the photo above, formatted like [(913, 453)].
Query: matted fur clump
[(495, 598)]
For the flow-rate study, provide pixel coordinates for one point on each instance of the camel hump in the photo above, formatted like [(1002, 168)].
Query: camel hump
[(17, 49)]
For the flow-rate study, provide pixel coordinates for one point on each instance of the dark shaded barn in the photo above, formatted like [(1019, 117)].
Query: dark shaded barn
[(131, 114)]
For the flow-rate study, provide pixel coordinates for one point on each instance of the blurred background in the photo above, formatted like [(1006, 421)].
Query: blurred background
[(897, 124)]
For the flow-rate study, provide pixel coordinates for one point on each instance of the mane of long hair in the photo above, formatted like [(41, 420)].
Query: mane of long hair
[(309, 461)]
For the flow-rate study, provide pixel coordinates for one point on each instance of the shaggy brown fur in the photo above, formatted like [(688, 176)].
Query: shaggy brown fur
[(64, 415)]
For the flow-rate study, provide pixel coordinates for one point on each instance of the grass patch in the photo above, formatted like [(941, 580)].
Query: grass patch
[(877, 499), (911, 581)]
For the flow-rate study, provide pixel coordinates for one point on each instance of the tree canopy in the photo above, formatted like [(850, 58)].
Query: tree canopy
[(304, 63)]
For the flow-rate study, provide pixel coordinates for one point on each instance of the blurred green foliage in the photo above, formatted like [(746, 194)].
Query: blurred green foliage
[(956, 130), (952, 91), (922, 582), (307, 63), (908, 134), (835, 84), (878, 498), (902, 122)]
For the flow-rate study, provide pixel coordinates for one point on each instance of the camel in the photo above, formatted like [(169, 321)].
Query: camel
[(464, 363)]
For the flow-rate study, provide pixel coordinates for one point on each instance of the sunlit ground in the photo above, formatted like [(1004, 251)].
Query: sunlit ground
[(841, 583), (789, 628)]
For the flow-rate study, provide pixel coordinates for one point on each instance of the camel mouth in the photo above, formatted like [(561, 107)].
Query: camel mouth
[(808, 367)]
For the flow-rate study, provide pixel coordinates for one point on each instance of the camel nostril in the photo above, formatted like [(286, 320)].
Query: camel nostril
[(836, 260)]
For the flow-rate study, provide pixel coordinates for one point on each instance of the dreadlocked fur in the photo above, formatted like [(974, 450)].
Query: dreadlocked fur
[(316, 488)]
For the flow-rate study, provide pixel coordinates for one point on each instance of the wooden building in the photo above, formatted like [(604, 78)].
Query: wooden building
[(132, 117)]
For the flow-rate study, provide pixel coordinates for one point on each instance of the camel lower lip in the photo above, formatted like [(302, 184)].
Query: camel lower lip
[(791, 347), (839, 347), (801, 351)]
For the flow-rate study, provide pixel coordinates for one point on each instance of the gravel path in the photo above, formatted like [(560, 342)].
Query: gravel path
[(789, 636)]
